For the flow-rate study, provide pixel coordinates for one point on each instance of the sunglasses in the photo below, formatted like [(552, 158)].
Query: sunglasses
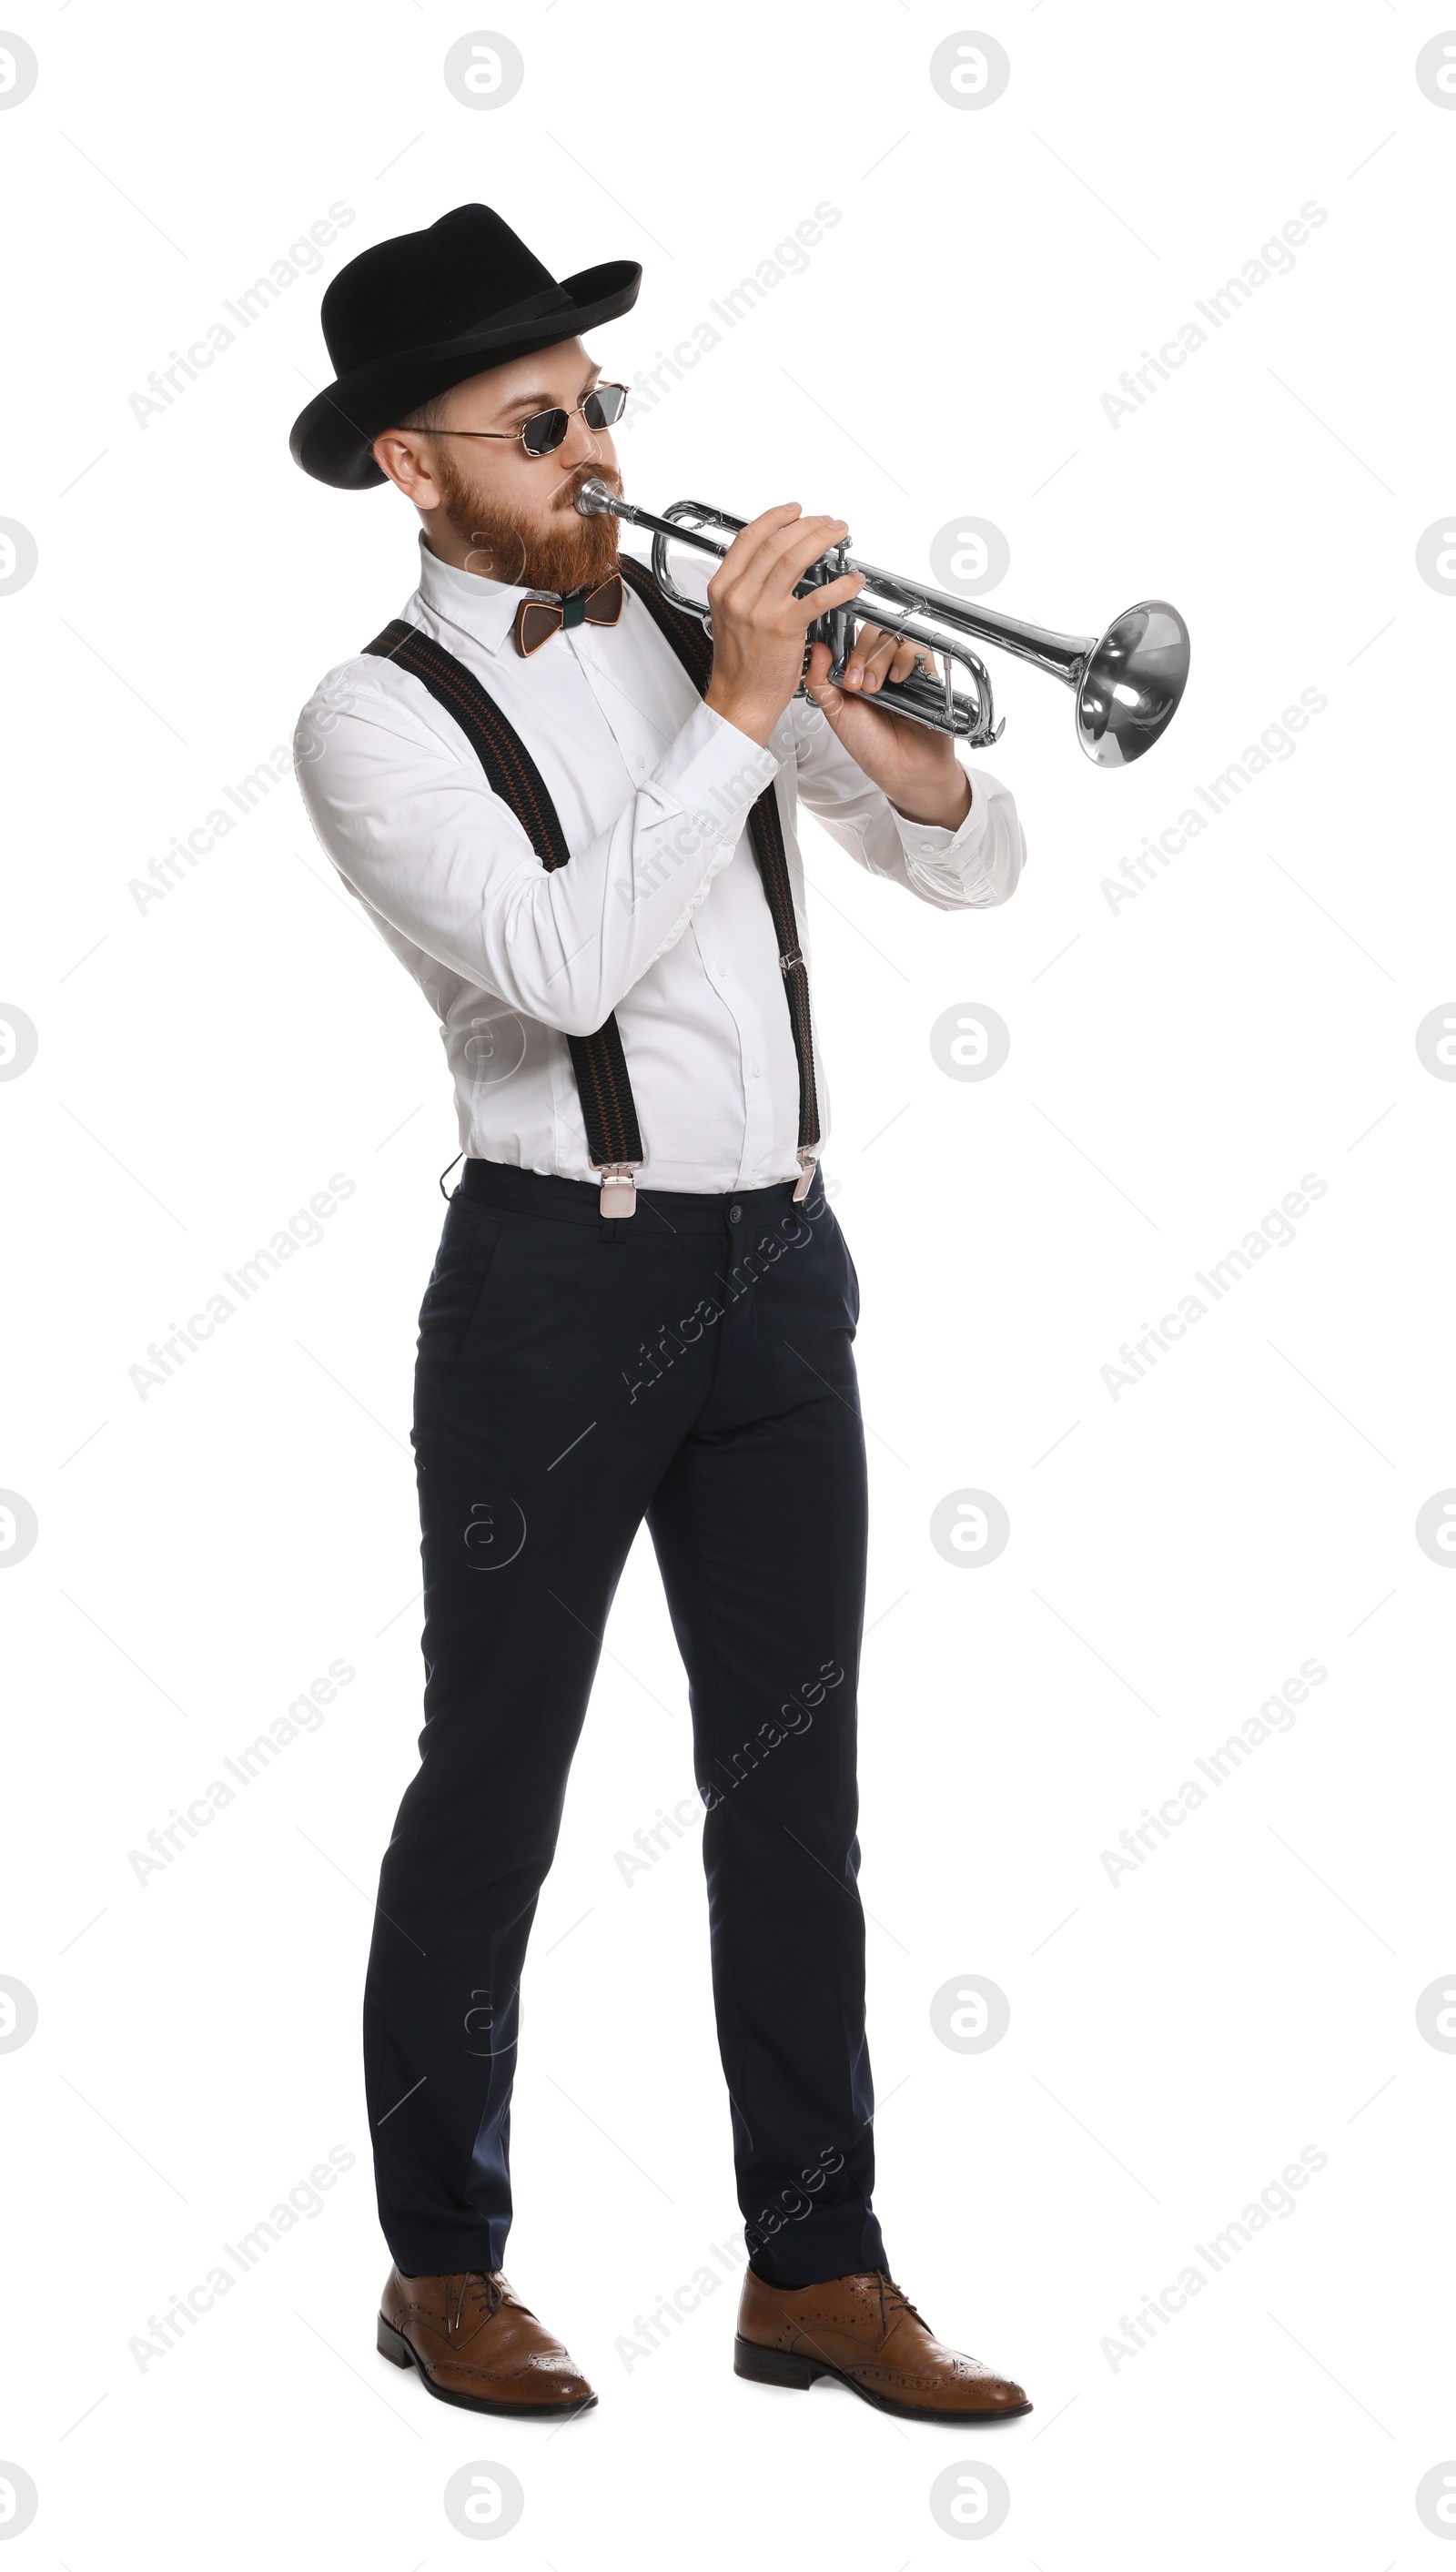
[(545, 431)]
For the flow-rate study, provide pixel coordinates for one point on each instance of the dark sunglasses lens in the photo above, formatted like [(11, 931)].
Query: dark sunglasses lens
[(605, 405), (543, 432)]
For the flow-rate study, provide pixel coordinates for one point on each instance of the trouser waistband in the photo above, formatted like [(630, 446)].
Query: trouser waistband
[(516, 1192)]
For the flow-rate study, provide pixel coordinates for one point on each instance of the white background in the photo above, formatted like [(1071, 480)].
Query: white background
[(1177, 1065)]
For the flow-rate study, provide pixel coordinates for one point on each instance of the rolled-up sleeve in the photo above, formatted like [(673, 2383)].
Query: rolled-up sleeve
[(416, 831), (972, 868)]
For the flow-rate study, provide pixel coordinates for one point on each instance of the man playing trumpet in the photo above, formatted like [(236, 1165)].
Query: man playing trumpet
[(573, 819)]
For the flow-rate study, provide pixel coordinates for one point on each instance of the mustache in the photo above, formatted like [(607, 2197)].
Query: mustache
[(578, 478)]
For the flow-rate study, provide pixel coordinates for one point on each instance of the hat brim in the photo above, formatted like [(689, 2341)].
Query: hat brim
[(333, 438)]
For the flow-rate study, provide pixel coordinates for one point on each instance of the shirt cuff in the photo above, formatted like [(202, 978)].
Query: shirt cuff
[(976, 864), (930, 839), (714, 773)]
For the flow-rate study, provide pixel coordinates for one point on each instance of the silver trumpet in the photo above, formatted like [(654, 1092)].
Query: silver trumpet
[(1128, 684)]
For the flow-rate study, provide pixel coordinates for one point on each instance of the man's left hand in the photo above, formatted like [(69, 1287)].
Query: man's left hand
[(914, 767)]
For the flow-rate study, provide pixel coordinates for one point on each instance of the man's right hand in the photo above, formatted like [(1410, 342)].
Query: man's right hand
[(758, 624)]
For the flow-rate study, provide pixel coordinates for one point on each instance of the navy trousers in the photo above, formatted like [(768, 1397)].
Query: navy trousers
[(692, 1364)]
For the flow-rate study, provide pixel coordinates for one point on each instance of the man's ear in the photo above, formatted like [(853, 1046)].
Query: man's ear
[(403, 457)]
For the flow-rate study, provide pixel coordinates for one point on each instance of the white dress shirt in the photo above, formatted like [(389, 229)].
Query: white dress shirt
[(661, 913)]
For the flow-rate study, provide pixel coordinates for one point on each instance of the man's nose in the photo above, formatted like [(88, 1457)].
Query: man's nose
[(580, 447)]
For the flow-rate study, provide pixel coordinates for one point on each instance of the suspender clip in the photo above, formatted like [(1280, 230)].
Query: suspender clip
[(619, 1189), (808, 1164)]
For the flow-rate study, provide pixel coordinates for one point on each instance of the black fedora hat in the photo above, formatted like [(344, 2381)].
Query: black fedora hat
[(415, 314)]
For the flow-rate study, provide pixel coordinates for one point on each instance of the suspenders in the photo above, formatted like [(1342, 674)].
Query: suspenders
[(613, 1137)]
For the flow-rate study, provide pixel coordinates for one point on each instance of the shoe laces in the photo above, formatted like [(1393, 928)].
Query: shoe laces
[(893, 2300), (481, 2292)]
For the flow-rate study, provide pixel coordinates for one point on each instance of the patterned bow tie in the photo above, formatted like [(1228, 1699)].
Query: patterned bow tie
[(537, 619)]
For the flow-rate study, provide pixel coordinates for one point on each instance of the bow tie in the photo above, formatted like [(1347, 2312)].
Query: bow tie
[(537, 619)]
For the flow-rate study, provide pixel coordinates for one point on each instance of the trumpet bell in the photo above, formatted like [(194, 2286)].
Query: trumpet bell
[(1131, 686)]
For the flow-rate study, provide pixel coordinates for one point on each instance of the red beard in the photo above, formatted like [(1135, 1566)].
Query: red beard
[(568, 553)]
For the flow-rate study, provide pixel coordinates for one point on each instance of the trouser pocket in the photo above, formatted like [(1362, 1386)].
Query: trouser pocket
[(468, 1251)]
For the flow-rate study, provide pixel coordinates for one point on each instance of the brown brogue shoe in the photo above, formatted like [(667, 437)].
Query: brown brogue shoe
[(476, 2343), (866, 2333)]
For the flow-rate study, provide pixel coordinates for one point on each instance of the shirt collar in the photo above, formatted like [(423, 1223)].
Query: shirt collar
[(482, 608)]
